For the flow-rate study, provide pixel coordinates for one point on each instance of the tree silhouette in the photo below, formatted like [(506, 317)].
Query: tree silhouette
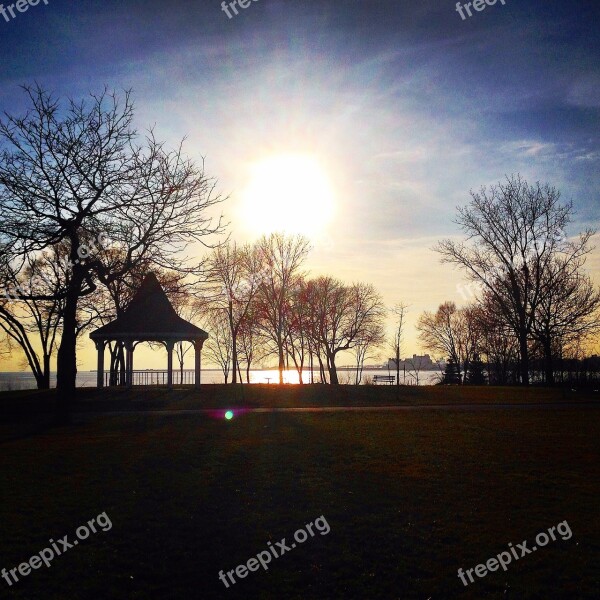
[(514, 230), (69, 174)]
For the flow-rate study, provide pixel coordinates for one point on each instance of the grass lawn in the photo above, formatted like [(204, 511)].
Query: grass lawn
[(410, 497), (263, 395)]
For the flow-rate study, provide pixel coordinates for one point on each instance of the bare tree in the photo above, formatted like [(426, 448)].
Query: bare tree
[(372, 338), (498, 342), (399, 313), (249, 342), (33, 323), (218, 347), (282, 258), (342, 317), (68, 175), (515, 231), (568, 310), (414, 368), (235, 274), (438, 332), (450, 332), (297, 328)]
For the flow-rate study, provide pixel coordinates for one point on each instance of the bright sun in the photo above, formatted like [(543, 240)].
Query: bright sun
[(288, 193)]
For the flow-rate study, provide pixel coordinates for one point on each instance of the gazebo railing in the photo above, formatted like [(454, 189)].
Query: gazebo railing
[(157, 377)]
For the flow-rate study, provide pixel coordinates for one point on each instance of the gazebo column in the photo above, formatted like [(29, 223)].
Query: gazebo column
[(197, 361), (129, 347), (121, 365), (100, 368), (169, 364)]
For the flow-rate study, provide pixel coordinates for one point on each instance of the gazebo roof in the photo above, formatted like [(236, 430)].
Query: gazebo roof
[(149, 317)]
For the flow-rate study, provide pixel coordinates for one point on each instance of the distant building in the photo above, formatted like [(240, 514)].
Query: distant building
[(419, 363)]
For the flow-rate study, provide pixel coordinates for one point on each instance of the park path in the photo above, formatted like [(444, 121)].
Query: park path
[(335, 409)]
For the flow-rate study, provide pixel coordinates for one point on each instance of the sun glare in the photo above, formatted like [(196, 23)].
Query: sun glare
[(288, 193)]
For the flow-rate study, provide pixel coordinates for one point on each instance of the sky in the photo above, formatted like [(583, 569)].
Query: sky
[(391, 111)]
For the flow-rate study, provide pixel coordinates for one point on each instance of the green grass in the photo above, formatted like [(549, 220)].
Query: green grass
[(410, 498)]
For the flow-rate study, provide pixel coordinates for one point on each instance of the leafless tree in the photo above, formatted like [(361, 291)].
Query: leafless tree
[(249, 342), (366, 347), (414, 368), (282, 258), (218, 346), (451, 332), (235, 274), (70, 174), (399, 314), (439, 332), (513, 232), (497, 343), (343, 317), (297, 328), (30, 323), (568, 310)]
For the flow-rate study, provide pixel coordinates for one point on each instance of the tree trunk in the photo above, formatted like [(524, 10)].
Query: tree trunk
[(281, 364), (548, 362), (321, 368), (44, 383), (234, 357), (299, 368), (240, 374), (524, 359), (39, 380), (333, 376), (66, 360)]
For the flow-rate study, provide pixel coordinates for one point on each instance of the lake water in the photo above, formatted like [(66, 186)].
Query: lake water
[(24, 381)]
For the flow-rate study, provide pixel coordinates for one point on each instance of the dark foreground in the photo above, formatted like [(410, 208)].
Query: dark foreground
[(410, 497)]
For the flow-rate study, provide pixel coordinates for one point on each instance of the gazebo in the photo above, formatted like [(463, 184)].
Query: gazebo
[(150, 317)]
